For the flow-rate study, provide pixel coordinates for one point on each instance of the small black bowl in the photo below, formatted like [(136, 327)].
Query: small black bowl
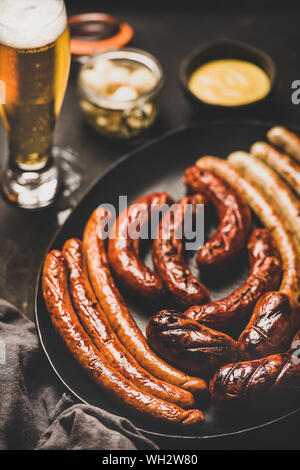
[(226, 49)]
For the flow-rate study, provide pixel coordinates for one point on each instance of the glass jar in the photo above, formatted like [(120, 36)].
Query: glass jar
[(119, 90)]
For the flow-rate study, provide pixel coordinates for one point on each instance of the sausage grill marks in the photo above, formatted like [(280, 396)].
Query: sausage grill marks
[(251, 381), (66, 322), (188, 345), (234, 218), (101, 334), (276, 317), (168, 253), (123, 250), (116, 311), (265, 275), (96, 325), (287, 204)]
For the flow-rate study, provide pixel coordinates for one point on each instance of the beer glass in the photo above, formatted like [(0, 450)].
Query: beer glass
[(34, 67)]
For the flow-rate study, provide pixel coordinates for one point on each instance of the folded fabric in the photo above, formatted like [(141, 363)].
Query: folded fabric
[(35, 410)]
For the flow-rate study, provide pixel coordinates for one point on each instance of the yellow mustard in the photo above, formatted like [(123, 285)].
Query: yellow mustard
[(229, 82)]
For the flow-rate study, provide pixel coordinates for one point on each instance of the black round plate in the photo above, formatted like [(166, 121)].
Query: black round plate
[(155, 167)]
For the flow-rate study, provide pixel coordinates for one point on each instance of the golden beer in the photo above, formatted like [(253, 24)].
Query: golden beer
[(34, 66), (35, 81)]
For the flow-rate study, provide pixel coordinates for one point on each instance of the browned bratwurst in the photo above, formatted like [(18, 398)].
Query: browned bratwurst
[(287, 204), (234, 217), (168, 254), (118, 314), (265, 275), (276, 317), (286, 140), (96, 325), (249, 381), (286, 166), (94, 363), (260, 174), (123, 249), (186, 344)]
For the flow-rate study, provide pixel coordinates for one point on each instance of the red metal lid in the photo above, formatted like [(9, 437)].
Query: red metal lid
[(97, 31)]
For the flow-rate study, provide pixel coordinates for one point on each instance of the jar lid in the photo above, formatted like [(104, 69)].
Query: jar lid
[(97, 32)]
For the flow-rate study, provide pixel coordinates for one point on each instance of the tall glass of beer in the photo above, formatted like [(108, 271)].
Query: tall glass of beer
[(34, 68)]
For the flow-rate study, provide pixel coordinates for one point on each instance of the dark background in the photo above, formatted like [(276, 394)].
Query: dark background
[(169, 32)]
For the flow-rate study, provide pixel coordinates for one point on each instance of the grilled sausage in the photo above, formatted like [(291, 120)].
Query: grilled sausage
[(96, 325), (186, 344), (94, 363), (244, 382), (287, 168), (118, 315), (123, 249), (284, 201), (277, 313), (168, 255), (285, 140), (234, 217), (249, 381), (268, 180), (265, 275)]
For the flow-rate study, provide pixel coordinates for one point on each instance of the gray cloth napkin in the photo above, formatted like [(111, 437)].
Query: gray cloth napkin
[(35, 411)]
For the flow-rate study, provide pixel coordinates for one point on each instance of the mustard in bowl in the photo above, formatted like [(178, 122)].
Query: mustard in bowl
[(229, 75)]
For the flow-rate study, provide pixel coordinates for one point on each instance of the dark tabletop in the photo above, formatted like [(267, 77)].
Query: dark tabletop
[(169, 33)]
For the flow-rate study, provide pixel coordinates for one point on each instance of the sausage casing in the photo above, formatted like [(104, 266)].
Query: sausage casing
[(118, 314), (286, 166), (254, 380), (284, 323), (234, 218), (65, 321), (188, 345), (260, 174), (96, 325), (168, 255), (285, 140), (123, 249), (265, 275)]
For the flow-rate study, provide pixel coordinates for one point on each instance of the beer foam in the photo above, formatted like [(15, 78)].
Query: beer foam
[(28, 24)]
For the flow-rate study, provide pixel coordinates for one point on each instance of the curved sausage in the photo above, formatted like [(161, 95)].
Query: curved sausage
[(186, 344), (117, 312), (262, 175), (168, 254), (277, 319), (287, 204), (123, 249), (285, 140), (287, 168), (265, 275), (251, 380), (234, 218), (96, 325), (272, 320), (94, 363)]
